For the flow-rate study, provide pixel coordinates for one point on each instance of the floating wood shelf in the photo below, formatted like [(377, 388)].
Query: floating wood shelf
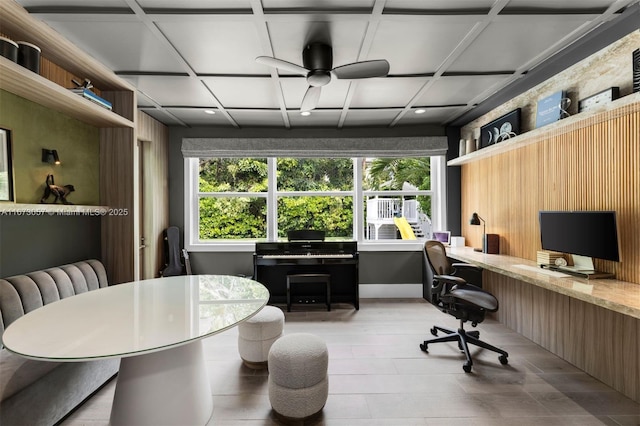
[(620, 106), (29, 85)]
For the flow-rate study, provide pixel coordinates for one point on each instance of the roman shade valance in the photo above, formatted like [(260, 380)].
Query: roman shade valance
[(387, 147)]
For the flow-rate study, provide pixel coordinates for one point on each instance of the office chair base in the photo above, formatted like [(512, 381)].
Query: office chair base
[(464, 338)]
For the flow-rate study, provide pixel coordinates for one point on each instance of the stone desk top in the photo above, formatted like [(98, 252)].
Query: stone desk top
[(618, 296)]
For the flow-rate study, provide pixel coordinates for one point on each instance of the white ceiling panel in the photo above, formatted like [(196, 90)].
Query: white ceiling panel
[(318, 118), (235, 92), (163, 116), (430, 116), (173, 91), (74, 3), (438, 4), (121, 46), (257, 118), (459, 89), (513, 41), (333, 95), (428, 42), (195, 4), (316, 4), (558, 4), (370, 118), (217, 47), (385, 92), (197, 117), (290, 35)]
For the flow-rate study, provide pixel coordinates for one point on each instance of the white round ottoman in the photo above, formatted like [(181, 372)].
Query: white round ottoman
[(298, 382), (257, 334)]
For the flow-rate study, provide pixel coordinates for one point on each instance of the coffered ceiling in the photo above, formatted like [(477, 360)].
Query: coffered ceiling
[(190, 57)]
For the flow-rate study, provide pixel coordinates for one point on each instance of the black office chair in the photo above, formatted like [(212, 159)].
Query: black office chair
[(455, 296)]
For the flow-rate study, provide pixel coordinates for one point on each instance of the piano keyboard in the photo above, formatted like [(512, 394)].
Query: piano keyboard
[(307, 255)]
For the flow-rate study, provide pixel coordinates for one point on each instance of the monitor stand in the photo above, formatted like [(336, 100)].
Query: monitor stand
[(582, 267)]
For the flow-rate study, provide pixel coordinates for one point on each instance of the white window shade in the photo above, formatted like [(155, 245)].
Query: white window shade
[(390, 147)]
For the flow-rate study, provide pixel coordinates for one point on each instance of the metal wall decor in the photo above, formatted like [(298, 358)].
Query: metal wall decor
[(500, 129)]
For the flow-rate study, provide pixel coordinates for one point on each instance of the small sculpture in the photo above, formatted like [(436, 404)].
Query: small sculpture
[(59, 192)]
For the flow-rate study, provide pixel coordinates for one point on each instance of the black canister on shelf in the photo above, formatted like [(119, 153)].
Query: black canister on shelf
[(29, 56), (9, 49)]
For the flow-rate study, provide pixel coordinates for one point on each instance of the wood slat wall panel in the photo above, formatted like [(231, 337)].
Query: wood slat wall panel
[(599, 341), (590, 166), (117, 168), (155, 139)]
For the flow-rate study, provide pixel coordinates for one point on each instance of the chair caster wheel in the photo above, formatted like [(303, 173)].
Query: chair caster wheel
[(434, 331), (423, 347), (503, 360), (467, 367)]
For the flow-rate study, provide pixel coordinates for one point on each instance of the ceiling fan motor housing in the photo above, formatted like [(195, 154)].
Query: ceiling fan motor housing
[(318, 59)]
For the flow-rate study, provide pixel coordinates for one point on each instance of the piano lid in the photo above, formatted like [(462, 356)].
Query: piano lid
[(297, 247)]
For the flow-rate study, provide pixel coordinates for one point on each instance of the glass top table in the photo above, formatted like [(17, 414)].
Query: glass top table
[(155, 326)]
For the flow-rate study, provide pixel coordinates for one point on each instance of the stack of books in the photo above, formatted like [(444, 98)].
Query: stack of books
[(548, 257), (88, 94)]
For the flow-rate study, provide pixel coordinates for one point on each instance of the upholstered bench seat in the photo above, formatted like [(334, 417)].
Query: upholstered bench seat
[(298, 381), (257, 334), (41, 392)]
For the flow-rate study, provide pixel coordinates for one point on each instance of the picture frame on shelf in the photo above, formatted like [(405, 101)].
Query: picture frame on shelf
[(443, 236), (6, 166), (600, 98), (500, 129), (552, 108)]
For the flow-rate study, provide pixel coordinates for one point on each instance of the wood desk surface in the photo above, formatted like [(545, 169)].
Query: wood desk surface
[(618, 296)]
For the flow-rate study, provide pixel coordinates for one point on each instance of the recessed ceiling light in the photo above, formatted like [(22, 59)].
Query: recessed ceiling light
[(209, 111), (305, 113), (420, 111)]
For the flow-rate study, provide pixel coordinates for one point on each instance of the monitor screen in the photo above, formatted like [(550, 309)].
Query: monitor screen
[(585, 233)]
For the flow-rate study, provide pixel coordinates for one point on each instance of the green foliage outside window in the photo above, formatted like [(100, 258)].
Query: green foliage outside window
[(246, 217)]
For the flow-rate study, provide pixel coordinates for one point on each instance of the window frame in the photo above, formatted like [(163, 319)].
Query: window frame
[(192, 196)]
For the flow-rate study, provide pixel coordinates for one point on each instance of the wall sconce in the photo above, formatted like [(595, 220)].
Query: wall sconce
[(490, 242), (50, 156), (475, 220)]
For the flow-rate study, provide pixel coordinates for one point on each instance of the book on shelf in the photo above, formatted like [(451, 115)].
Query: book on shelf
[(88, 94)]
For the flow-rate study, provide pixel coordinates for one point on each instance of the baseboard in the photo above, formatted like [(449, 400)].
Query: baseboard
[(389, 291)]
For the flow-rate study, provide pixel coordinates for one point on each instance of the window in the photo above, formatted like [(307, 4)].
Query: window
[(238, 201)]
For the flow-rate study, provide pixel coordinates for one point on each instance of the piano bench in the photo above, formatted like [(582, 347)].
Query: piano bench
[(307, 279)]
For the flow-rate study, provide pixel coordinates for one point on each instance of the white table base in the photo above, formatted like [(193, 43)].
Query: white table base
[(168, 387)]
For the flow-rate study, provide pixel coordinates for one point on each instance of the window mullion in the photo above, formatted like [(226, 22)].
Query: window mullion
[(272, 200)]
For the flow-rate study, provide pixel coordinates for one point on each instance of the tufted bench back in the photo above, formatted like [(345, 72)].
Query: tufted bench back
[(22, 294)]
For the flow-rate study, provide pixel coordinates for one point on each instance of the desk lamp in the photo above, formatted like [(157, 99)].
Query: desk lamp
[(475, 220)]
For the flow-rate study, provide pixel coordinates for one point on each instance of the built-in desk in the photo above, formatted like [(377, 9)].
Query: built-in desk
[(594, 324)]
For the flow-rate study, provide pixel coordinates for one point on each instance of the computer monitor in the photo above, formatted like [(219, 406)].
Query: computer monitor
[(592, 234)]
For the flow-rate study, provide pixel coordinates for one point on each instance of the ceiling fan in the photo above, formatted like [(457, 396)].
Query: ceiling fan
[(317, 59)]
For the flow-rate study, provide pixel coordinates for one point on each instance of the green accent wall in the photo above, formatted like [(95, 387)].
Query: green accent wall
[(34, 127)]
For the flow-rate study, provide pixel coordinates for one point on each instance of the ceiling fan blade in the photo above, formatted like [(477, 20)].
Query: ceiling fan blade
[(364, 69), (283, 65), (311, 98)]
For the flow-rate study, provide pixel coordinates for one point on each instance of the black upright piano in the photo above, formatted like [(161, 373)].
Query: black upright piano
[(272, 262)]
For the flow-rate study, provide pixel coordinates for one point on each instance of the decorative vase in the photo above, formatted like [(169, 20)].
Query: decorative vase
[(471, 146), (463, 147)]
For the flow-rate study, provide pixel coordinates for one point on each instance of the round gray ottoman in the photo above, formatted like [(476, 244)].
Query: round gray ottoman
[(298, 382), (257, 334)]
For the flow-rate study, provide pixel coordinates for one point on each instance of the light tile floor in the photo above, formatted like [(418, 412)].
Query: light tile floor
[(378, 376)]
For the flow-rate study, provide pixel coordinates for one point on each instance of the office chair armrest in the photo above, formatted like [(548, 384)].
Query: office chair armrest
[(449, 279), (466, 266)]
